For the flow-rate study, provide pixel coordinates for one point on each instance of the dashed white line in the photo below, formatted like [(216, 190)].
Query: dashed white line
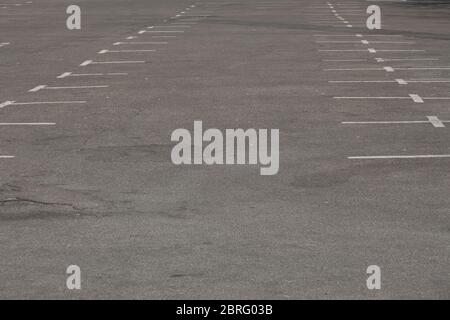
[(89, 62), (27, 123), (44, 102), (137, 42), (70, 74), (125, 51), (41, 87), (426, 156), (415, 97), (433, 120), (6, 103), (161, 31)]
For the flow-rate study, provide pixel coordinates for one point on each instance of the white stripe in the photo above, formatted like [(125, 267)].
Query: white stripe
[(87, 62), (71, 87), (357, 35), (47, 102), (416, 98), (63, 75), (27, 123), (178, 26), (76, 87), (93, 74), (384, 122), (436, 122), (356, 69), (164, 31), (155, 42), (7, 157), (424, 68), (123, 51), (115, 62), (406, 59), (430, 81), (37, 88), (6, 103), (351, 50), (401, 81), (371, 97), (426, 156), (343, 60)]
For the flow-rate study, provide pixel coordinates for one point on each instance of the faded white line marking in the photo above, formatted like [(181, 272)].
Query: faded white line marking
[(125, 51), (436, 122), (70, 74), (416, 98), (154, 42), (433, 120), (426, 156), (46, 102), (6, 103), (27, 123), (109, 62)]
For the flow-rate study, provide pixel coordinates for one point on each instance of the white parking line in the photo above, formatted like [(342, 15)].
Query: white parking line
[(125, 51), (357, 35), (388, 69), (70, 74), (399, 81), (433, 120), (37, 88), (415, 97), (161, 31), (371, 50), (47, 102), (177, 26), (6, 103), (366, 42), (424, 68), (88, 62), (137, 42), (14, 103), (432, 80), (343, 60), (2, 44), (426, 156), (27, 123), (41, 87), (436, 122), (6, 157), (406, 59)]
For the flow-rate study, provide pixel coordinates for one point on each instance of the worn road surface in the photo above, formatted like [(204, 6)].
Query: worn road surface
[(86, 176)]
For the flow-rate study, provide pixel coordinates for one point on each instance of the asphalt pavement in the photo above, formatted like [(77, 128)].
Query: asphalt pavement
[(86, 176)]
